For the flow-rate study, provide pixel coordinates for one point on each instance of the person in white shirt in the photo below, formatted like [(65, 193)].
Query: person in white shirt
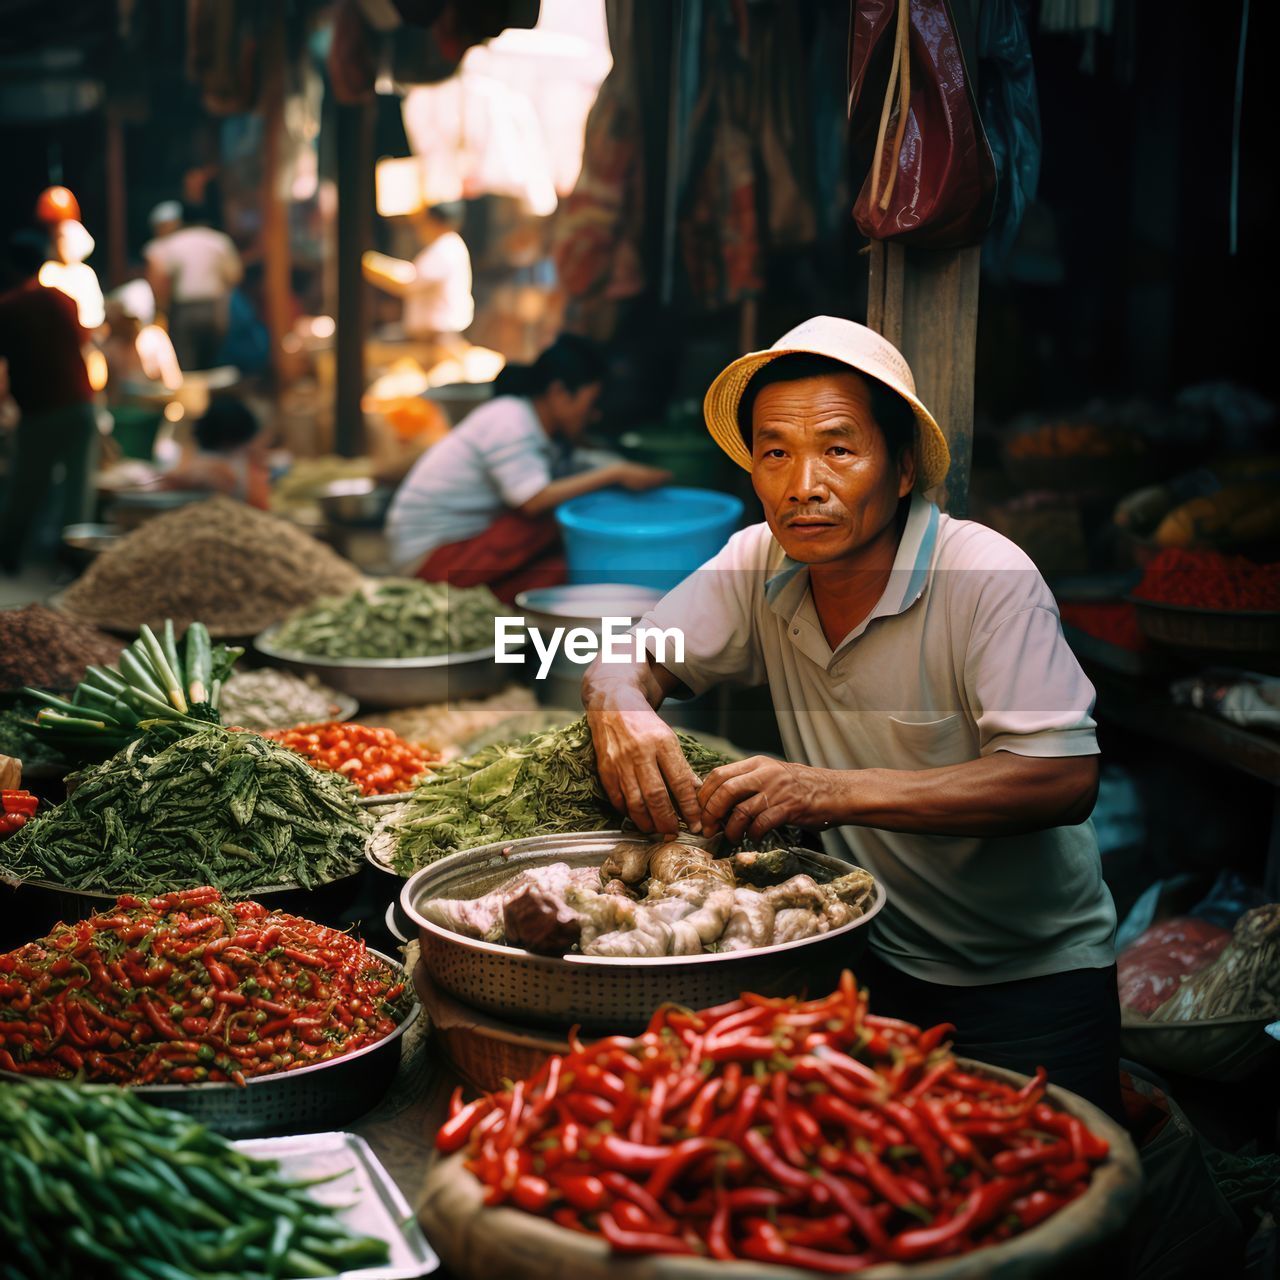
[(478, 507), (192, 271), (936, 726), (436, 287)]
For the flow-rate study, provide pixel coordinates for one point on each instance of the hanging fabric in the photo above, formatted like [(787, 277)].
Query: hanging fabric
[(597, 247), (931, 181)]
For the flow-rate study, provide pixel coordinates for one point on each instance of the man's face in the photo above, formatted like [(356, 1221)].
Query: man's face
[(821, 468)]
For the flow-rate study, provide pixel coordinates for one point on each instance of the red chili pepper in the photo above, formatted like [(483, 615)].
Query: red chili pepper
[(766, 1244), (454, 1132), (623, 1241), (783, 1128), (758, 1148), (678, 1160), (1037, 1206), (718, 1241), (702, 1104), (627, 1157), (1022, 1158), (532, 1193), (583, 1191), (569, 1219)]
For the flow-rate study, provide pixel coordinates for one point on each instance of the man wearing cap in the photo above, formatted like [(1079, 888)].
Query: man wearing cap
[(935, 723), (192, 271)]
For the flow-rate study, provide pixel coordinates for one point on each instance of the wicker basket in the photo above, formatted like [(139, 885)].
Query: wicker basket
[(1086, 1238), (484, 1050), (1209, 630), (1225, 1050)]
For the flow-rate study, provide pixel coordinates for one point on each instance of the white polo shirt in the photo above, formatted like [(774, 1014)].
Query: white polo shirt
[(962, 656)]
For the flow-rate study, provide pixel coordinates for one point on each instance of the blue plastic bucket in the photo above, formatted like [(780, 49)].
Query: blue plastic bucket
[(652, 539)]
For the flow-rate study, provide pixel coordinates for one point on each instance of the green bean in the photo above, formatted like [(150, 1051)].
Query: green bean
[(83, 1192)]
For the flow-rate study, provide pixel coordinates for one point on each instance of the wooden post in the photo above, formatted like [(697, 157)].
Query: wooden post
[(355, 235), (117, 195), (926, 304), (275, 209)]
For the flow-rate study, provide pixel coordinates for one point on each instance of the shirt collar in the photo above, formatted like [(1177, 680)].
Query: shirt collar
[(788, 588)]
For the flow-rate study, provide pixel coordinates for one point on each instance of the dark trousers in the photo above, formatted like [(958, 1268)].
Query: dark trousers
[(1069, 1023), (197, 331), (68, 436)]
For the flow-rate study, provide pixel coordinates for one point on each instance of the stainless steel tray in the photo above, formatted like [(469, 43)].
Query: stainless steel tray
[(598, 992), (290, 1102), (394, 682), (365, 1200)]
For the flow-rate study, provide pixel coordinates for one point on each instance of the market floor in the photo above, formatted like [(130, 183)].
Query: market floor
[(37, 581)]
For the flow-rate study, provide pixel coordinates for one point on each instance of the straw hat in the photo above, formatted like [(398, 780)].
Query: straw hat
[(853, 344)]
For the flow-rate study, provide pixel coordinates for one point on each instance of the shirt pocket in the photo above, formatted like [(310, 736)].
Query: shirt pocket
[(930, 744)]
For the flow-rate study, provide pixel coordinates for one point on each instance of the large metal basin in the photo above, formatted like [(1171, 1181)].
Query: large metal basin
[(394, 682), (600, 992)]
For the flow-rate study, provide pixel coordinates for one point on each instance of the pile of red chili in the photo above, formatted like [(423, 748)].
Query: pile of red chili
[(1210, 580), (186, 988), (378, 761), (15, 808), (811, 1134)]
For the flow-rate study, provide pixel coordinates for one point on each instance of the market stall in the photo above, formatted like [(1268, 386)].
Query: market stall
[(347, 930)]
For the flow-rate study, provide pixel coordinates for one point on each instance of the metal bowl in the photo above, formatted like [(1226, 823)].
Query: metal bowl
[(600, 992), (393, 682), (82, 544), (30, 908), (359, 501), (325, 1095)]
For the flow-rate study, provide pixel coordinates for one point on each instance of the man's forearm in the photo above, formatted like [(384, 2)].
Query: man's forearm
[(1001, 794), (573, 486), (617, 685)]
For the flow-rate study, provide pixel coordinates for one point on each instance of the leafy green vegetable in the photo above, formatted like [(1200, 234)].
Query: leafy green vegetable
[(179, 808), (394, 618), (543, 784)]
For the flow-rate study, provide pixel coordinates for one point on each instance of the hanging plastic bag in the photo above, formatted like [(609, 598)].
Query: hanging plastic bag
[(1011, 117), (932, 180)]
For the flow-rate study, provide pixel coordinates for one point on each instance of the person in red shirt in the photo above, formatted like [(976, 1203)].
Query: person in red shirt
[(40, 344)]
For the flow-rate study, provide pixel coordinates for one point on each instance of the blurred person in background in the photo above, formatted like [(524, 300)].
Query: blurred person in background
[(42, 345), (192, 271), (229, 455), (435, 286), (479, 506)]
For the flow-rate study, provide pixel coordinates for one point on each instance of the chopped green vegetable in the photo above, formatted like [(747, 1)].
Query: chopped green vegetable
[(394, 618), (179, 808), (543, 784)]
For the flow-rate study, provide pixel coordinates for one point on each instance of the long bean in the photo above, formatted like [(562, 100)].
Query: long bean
[(85, 1196)]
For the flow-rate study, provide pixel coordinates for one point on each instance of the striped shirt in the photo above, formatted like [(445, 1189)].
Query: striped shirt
[(962, 656), (495, 460)]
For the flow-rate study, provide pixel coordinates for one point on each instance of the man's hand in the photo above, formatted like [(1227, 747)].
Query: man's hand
[(637, 477), (754, 796), (641, 765)]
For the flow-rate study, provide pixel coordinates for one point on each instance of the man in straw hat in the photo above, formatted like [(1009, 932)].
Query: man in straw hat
[(936, 726)]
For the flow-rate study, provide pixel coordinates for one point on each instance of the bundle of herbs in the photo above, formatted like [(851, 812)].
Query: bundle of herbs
[(544, 784), (179, 808), (395, 618)]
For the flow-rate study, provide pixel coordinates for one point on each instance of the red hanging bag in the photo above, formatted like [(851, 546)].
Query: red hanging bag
[(931, 180)]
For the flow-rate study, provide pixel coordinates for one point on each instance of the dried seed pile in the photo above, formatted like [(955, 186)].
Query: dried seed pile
[(234, 568), (47, 650)]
